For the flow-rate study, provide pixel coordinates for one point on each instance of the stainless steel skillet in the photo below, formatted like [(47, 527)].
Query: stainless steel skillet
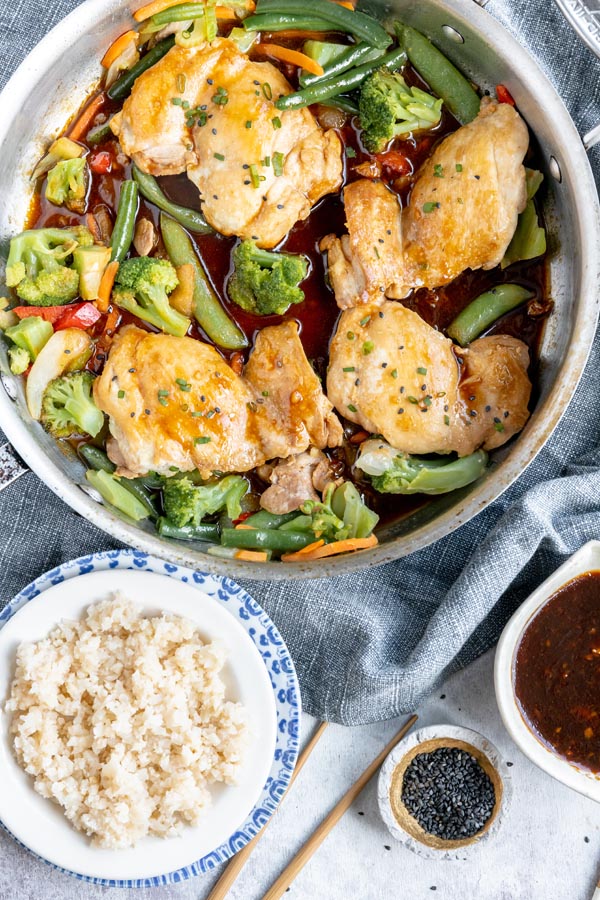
[(54, 80)]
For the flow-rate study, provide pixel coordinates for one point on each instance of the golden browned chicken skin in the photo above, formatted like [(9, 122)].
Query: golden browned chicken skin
[(462, 214), (175, 402), (394, 375), (234, 157)]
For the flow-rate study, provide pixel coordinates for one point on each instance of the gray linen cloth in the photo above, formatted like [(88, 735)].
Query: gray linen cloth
[(372, 645)]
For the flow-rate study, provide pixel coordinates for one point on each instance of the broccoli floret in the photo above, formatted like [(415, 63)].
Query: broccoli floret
[(68, 407), (342, 514), (393, 472), (19, 360), (389, 108), (142, 288), (66, 184), (266, 283), (186, 503), (31, 334), (38, 264)]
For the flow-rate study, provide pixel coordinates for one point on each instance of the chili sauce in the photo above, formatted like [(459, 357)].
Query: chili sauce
[(557, 672)]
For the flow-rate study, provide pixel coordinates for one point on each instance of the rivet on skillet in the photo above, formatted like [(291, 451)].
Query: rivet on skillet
[(453, 34), (555, 170), (9, 386)]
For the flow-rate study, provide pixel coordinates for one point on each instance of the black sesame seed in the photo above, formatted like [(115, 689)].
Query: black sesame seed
[(386, 847), (381, 314), (384, 365), (448, 793), (214, 130), (488, 409), (586, 839), (388, 230), (381, 240), (280, 206), (471, 398), (506, 414), (147, 411), (209, 81)]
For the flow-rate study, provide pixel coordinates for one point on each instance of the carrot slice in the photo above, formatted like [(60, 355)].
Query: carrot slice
[(359, 437), (226, 14), (252, 555), (115, 50), (330, 549), (242, 527), (301, 554), (345, 3), (106, 286), (284, 54), (158, 6), (82, 124)]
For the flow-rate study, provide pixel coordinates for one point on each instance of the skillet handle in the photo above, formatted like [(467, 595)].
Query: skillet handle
[(11, 466)]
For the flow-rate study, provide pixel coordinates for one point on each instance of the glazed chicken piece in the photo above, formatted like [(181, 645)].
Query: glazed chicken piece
[(462, 214), (402, 379), (295, 480), (258, 170), (175, 402)]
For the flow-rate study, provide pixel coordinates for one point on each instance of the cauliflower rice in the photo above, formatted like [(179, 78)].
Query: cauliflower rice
[(122, 720)]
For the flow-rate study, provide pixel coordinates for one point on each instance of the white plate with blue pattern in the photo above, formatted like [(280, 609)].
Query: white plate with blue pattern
[(259, 673)]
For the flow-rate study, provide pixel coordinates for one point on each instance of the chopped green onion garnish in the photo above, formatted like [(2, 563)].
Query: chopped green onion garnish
[(278, 164)]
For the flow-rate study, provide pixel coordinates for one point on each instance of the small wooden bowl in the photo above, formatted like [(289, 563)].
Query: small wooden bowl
[(402, 825)]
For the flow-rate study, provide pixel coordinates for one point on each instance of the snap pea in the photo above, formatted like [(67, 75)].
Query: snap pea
[(122, 235), (116, 494), (97, 460), (364, 27), (208, 311), (352, 56), (122, 87), (189, 218), (298, 523), (283, 22), (440, 74), (265, 539), (264, 519), (340, 84), (202, 532), (485, 310)]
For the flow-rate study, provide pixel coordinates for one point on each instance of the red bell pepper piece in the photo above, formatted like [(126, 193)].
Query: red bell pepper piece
[(77, 315), (504, 95), (101, 162), (81, 315)]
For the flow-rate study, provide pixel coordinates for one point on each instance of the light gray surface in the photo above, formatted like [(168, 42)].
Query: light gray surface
[(541, 853)]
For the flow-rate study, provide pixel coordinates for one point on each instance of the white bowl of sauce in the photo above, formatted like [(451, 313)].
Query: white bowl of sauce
[(547, 674)]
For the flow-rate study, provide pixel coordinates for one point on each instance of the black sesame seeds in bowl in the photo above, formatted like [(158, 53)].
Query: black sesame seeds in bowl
[(443, 790)]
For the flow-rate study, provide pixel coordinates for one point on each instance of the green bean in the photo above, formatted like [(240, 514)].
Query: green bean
[(340, 84), (208, 311), (181, 13), (151, 481), (283, 22), (99, 134), (265, 539), (96, 458), (122, 87), (344, 103), (189, 218), (365, 27), (202, 532), (440, 74), (485, 310), (351, 57), (264, 519), (122, 235)]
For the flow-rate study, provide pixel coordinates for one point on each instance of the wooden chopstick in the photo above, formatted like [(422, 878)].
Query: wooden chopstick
[(317, 838), (227, 879)]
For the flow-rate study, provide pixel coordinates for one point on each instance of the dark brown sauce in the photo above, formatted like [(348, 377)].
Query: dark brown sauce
[(318, 314), (557, 672)]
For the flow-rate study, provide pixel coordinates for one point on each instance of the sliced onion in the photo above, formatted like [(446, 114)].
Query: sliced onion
[(376, 456), (66, 351)]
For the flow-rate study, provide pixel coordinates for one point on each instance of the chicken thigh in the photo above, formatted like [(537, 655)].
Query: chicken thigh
[(394, 375), (174, 402), (258, 170), (462, 214)]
